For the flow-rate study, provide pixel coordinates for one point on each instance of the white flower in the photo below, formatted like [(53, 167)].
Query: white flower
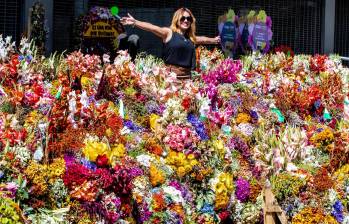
[(346, 219), (144, 160), (38, 154), (332, 196), (106, 58), (22, 154), (174, 194)]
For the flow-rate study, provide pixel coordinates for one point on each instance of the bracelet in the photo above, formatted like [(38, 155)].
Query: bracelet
[(134, 24)]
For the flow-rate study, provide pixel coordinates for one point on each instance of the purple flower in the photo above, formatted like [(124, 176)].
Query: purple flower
[(135, 172), (317, 104), (242, 191), (198, 125), (254, 114), (241, 146), (69, 160), (338, 211), (145, 214), (207, 208), (130, 125)]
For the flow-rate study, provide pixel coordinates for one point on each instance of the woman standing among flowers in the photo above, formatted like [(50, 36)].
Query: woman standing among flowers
[(178, 40)]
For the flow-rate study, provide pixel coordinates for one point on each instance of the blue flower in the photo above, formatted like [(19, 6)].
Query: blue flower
[(207, 208), (29, 58), (198, 125), (338, 211), (338, 206), (130, 125), (88, 164), (317, 104), (2, 174), (289, 209), (254, 114)]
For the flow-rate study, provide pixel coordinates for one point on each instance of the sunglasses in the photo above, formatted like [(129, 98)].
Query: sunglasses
[(188, 18)]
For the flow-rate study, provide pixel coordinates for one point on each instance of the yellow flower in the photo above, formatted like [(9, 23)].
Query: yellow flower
[(56, 169), (219, 147), (324, 138), (112, 107), (243, 118), (342, 173), (85, 82), (188, 168), (310, 215), (153, 121), (93, 149), (181, 163), (227, 179), (108, 132), (194, 162), (181, 171), (223, 189), (191, 156), (116, 152)]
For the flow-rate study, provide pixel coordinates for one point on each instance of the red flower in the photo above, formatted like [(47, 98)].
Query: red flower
[(317, 63), (285, 49), (186, 103), (75, 175), (140, 97), (102, 161), (224, 215), (114, 122), (38, 89)]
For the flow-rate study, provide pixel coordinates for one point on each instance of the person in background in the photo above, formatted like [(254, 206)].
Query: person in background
[(179, 40), (129, 43)]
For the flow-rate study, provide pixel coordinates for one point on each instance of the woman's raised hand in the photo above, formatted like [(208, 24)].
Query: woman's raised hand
[(217, 40), (128, 20)]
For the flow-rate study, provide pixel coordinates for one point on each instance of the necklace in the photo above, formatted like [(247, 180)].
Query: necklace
[(184, 38)]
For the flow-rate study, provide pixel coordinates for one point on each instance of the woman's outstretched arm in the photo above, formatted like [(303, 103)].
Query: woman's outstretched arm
[(207, 40), (162, 32)]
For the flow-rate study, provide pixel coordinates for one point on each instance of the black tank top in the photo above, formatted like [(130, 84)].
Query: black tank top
[(180, 51)]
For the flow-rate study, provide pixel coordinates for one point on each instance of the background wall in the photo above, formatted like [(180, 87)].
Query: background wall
[(308, 26)]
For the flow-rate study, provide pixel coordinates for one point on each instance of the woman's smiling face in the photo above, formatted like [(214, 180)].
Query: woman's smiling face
[(185, 21)]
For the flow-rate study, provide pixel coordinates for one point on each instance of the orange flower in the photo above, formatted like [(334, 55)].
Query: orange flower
[(157, 177), (159, 202), (178, 209)]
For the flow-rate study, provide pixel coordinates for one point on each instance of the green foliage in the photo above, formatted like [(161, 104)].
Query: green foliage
[(286, 185), (8, 212)]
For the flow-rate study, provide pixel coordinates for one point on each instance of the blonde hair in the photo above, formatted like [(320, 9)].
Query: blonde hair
[(176, 20)]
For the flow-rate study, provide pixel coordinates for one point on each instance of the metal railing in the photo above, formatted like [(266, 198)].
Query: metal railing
[(344, 58)]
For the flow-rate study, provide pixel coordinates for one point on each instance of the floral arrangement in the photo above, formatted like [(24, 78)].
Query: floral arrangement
[(87, 140)]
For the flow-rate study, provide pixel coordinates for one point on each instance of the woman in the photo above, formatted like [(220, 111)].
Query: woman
[(178, 40)]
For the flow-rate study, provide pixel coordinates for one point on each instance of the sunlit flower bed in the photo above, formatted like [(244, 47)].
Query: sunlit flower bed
[(87, 140)]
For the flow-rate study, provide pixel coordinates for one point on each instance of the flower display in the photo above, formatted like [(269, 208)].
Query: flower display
[(87, 139)]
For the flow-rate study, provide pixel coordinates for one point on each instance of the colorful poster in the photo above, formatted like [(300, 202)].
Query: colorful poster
[(260, 35), (228, 35), (260, 31), (228, 32)]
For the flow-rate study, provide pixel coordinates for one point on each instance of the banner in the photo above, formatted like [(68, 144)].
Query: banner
[(101, 29), (228, 32), (260, 31)]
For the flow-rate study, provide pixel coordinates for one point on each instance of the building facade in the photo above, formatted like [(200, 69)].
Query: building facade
[(307, 26)]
